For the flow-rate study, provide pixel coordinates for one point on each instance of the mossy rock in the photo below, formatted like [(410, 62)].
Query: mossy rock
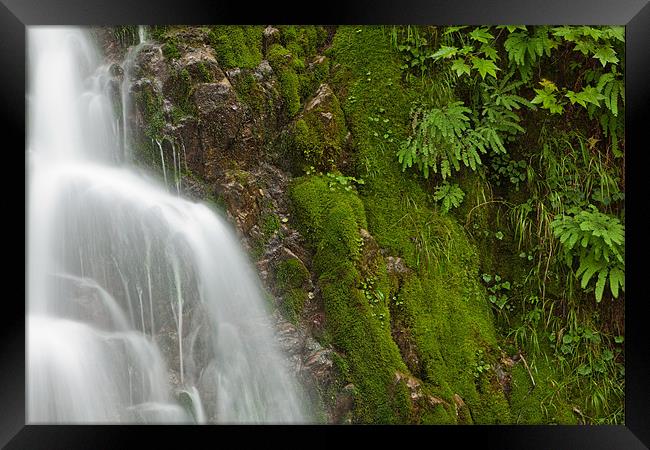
[(319, 133), (331, 220)]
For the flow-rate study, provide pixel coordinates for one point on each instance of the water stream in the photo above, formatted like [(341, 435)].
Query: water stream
[(142, 307)]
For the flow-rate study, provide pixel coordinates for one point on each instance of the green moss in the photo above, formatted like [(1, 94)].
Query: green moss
[(438, 415), (545, 402), (181, 94), (294, 303), (237, 46), (318, 72), (289, 59), (281, 60), (206, 75), (151, 103), (250, 92), (305, 39), (270, 224), (290, 274), (289, 90), (332, 221), (158, 32), (170, 49)]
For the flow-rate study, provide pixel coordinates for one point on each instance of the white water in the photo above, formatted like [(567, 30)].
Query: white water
[(142, 307)]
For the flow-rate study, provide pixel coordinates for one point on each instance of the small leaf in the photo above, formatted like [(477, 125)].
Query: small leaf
[(460, 67), (608, 355), (481, 35), (606, 54), (600, 284), (485, 67), (445, 52), (584, 370)]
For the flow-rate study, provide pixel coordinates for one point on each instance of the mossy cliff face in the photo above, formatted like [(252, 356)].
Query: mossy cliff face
[(376, 293)]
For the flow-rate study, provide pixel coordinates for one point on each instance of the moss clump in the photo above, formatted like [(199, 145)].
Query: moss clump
[(317, 72), (304, 40), (250, 92), (282, 62), (290, 274), (289, 90), (270, 224), (332, 221), (170, 49), (293, 304), (206, 76), (289, 59), (237, 46)]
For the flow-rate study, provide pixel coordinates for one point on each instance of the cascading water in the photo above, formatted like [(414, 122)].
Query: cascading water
[(141, 305)]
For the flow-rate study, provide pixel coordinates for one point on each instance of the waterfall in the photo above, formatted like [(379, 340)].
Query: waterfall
[(142, 307)]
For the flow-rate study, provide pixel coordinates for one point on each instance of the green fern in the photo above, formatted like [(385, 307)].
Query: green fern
[(438, 142), (525, 49), (450, 195), (598, 240)]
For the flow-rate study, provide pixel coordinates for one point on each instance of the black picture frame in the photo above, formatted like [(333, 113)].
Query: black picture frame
[(15, 15)]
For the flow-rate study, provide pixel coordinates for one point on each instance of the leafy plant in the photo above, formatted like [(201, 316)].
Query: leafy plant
[(340, 181), (598, 241), (481, 366), (499, 290), (546, 97), (451, 196), (439, 141)]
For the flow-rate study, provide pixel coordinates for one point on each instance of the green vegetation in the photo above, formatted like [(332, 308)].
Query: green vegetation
[(237, 46), (546, 101), (460, 192)]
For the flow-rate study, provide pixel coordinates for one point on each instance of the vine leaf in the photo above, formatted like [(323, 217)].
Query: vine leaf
[(460, 67), (606, 54), (485, 66)]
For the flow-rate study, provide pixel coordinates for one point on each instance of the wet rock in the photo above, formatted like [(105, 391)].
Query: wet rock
[(419, 398), (116, 71), (342, 413), (221, 116), (263, 71), (201, 64), (240, 194), (150, 63), (462, 411)]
